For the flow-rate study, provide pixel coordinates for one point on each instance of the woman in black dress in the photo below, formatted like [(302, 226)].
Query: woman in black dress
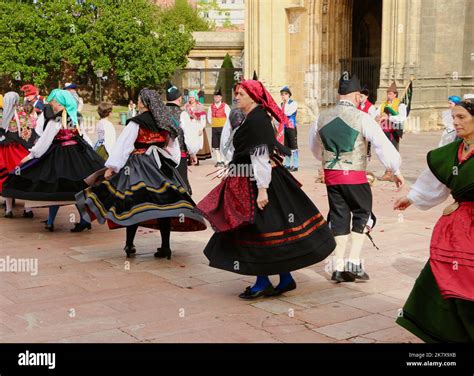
[(265, 224), (142, 186)]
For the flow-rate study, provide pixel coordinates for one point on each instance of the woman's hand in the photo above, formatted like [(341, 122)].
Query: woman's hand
[(109, 173), (193, 159), (402, 203), (262, 198)]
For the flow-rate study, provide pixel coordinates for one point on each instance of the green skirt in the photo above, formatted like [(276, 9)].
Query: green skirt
[(434, 319)]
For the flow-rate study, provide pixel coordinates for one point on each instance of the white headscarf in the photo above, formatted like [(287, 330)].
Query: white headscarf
[(10, 101)]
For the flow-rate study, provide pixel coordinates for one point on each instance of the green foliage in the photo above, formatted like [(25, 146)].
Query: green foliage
[(135, 40), (183, 13)]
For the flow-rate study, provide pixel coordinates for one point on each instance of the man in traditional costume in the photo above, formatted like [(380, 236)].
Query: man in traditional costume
[(217, 116), (173, 103), (339, 139), (290, 109), (366, 105), (391, 116)]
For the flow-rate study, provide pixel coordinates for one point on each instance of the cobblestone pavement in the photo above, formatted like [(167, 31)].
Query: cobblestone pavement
[(87, 291)]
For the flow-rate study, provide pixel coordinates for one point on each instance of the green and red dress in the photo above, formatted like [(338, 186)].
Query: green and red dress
[(440, 307)]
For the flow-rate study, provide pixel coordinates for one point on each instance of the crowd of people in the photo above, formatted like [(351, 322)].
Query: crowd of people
[(264, 224)]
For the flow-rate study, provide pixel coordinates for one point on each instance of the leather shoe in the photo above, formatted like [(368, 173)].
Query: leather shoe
[(248, 294), (338, 276), (130, 250), (357, 271), (79, 227), (163, 253), (27, 214), (8, 214)]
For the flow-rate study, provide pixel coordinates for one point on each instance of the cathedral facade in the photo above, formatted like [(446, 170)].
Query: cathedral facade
[(307, 44)]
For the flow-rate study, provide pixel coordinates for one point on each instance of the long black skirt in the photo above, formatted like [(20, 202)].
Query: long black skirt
[(57, 176), (141, 193), (289, 234)]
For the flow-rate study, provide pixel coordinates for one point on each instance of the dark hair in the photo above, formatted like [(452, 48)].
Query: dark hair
[(468, 104), (28, 107), (104, 109)]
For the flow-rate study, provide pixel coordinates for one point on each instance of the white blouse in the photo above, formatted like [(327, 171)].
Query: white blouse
[(106, 134), (427, 192), (46, 139), (126, 144)]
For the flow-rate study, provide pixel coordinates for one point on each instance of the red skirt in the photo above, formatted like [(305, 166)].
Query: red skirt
[(452, 253), (11, 155)]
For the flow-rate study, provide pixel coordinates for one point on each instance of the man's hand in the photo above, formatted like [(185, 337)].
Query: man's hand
[(262, 198), (109, 173), (402, 203), (399, 181)]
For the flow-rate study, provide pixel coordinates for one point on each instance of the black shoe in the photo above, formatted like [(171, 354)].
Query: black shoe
[(342, 277), (248, 294), (8, 214), (163, 253), (50, 228), (288, 168), (79, 227), (357, 271), (27, 214), (294, 169), (289, 287), (217, 164), (130, 250)]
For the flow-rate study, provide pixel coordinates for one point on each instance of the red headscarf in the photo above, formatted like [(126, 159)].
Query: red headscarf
[(29, 90), (259, 94)]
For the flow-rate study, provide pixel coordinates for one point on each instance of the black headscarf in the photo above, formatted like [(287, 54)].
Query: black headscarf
[(157, 117), (468, 105)]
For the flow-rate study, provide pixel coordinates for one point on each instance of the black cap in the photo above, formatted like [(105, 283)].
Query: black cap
[(218, 92), (255, 77), (172, 92), (365, 90), (348, 84)]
